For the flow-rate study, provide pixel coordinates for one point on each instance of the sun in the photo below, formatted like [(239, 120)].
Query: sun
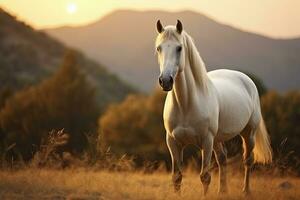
[(72, 8)]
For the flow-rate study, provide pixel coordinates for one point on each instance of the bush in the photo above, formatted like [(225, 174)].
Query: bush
[(282, 115), (65, 100), (135, 127)]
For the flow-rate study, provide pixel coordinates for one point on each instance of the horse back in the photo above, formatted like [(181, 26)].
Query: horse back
[(237, 98)]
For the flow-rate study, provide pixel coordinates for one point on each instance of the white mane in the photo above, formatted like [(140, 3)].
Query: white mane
[(195, 62)]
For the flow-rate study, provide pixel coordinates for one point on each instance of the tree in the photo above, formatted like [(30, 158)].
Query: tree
[(282, 115), (135, 127), (65, 100)]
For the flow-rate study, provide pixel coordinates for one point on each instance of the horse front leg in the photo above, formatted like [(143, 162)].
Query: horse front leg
[(205, 177), (176, 156), (221, 157)]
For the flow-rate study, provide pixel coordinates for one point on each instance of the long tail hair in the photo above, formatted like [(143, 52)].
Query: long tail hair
[(262, 149)]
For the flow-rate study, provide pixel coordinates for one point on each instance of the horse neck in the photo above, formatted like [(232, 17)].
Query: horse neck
[(196, 64), (183, 89), (192, 79)]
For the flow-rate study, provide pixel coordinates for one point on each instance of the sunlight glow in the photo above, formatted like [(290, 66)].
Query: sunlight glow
[(71, 8), (275, 18)]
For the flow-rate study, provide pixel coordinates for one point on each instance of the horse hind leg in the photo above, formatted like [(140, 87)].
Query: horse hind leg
[(221, 157), (248, 145)]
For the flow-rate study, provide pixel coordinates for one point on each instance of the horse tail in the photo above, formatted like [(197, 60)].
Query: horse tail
[(262, 149)]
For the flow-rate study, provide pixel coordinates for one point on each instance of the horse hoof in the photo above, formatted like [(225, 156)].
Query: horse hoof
[(222, 192), (205, 190), (177, 191), (246, 192)]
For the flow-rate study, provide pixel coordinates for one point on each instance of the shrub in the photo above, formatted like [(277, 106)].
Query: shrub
[(65, 100)]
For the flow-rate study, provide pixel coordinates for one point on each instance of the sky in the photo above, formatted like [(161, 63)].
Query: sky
[(273, 18)]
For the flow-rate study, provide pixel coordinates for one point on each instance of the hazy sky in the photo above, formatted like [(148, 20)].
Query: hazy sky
[(276, 18)]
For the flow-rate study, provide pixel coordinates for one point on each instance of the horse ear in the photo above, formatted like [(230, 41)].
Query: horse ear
[(179, 26), (159, 27)]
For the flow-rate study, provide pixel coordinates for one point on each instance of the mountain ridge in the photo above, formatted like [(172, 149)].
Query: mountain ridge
[(169, 12), (220, 45), (28, 56)]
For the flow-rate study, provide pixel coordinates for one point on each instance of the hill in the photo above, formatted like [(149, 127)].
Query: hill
[(124, 40), (28, 56)]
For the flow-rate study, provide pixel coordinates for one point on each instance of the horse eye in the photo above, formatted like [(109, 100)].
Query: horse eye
[(158, 49), (179, 48)]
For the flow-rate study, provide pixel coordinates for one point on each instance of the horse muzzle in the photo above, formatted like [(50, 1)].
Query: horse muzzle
[(166, 83)]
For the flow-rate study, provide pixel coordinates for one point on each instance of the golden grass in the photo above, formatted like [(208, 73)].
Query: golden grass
[(89, 184)]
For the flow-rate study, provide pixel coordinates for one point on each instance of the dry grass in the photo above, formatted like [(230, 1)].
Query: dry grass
[(88, 184)]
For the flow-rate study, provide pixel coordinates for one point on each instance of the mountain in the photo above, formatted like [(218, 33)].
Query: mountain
[(28, 56), (124, 40)]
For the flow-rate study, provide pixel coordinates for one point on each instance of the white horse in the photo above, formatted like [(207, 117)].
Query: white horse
[(206, 109)]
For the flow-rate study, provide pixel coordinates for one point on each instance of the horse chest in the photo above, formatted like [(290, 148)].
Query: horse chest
[(188, 128), (185, 135)]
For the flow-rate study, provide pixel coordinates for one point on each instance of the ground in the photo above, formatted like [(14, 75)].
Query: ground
[(91, 184)]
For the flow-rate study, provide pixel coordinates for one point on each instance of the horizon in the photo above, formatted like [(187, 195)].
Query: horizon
[(270, 19)]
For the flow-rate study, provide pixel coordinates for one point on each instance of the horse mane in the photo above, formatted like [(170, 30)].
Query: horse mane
[(192, 55), (195, 61)]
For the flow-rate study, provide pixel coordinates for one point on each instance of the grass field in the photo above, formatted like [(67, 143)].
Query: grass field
[(89, 184)]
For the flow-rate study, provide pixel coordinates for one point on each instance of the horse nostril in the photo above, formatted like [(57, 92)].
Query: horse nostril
[(160, 81), (171, 80)]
